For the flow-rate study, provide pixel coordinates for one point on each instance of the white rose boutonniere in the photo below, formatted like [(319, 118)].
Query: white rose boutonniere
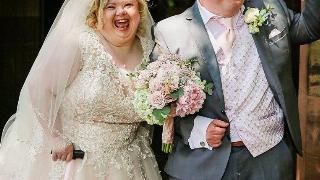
[(255, 18)]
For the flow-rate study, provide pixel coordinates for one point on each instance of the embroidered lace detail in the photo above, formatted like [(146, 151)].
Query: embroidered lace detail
[(98, 115)]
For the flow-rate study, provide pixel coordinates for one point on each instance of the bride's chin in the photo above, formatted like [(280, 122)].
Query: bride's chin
[(129, 34), (122, 39)]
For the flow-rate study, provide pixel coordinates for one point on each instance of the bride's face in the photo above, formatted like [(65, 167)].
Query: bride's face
[(121, 19)]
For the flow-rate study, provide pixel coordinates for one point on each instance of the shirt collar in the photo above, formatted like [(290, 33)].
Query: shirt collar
[(206, 15)]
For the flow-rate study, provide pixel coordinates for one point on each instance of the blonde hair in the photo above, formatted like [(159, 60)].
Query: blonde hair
[(94, 18)]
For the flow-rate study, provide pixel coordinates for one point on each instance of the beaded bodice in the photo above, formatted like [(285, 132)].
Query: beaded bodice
[(101, 91), (97, 113)]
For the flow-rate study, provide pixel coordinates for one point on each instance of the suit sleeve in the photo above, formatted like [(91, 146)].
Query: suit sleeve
[(304, 26), (183, 126), (160, 44)]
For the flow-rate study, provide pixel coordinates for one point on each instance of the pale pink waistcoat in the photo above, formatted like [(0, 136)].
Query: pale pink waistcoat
[(255, 116)]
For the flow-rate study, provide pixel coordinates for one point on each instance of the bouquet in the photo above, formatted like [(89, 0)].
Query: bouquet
[(167, 88)]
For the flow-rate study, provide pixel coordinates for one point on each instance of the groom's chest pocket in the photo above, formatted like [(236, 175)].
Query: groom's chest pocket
[(278, 32), (278, 39), (279, 43)]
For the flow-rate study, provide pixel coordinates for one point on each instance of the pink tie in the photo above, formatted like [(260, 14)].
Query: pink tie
[(226, 38)]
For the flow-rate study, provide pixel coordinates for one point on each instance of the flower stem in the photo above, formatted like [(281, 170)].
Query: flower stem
[(167, 148)]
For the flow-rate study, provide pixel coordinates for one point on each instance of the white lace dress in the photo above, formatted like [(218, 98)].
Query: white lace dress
[(99, 119)]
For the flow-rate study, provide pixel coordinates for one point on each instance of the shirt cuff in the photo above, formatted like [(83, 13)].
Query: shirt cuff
[(198, 134)]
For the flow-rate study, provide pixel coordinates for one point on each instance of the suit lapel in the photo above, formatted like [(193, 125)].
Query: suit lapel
[(199, 34), (265, 54)]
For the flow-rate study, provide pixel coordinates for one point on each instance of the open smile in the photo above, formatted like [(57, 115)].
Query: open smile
[(122, 24)]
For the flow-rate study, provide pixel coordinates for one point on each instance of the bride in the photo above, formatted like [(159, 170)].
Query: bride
[(78, 96)]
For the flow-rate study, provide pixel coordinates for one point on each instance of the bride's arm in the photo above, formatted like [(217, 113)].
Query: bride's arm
[(51, 74), (65, 152)]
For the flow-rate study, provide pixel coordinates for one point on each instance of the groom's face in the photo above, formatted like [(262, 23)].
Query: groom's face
[(225, 8)]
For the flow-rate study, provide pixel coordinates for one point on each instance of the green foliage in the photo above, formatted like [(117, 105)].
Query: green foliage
[(167, 148), (209, 88), (161, 114), (190, 63), (177, 94), (261, 19), (144, 65), (133, 74)]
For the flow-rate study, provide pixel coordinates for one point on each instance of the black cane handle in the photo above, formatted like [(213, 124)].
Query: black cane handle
[(77, 154)]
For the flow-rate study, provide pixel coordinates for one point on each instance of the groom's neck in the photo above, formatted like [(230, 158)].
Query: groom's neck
[(224, 8)]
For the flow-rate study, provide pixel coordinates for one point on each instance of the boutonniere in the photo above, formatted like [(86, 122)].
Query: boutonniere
[(255, 18)]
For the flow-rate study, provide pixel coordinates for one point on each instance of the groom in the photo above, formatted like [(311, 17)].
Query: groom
[(249, 128)]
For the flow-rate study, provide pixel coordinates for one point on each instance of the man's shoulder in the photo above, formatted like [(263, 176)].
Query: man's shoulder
[(173, 22)]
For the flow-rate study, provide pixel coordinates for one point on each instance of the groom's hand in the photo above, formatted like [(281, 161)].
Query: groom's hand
[(215, 132)]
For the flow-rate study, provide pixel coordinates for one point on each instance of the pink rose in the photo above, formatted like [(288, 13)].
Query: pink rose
[(191, 101), (157, 100)]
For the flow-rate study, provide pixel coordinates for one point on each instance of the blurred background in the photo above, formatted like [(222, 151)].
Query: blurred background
[(25, 23)]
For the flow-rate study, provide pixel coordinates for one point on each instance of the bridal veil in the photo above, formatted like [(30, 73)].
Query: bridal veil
[(26, 145)]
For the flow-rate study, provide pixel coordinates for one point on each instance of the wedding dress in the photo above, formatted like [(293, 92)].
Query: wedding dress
[(98, 117), (76, 93)]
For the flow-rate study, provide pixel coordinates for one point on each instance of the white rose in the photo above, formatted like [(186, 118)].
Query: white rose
[(250, 15)]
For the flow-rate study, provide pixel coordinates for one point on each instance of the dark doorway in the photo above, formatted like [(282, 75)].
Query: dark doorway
[(49, 11), (20, 41), (25, 25)]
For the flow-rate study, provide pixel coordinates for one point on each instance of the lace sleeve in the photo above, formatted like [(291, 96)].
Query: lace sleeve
[(46, 86)]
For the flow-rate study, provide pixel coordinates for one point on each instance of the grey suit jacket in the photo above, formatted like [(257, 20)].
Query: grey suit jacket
[(186, 35)]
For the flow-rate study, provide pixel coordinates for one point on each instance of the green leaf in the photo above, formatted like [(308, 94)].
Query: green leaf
[(198, 74), (263, 11), (269, 8), (209, 88), (256, 30), (144, 65), (177, 94), (161, 114), (209, 85), (190, 63)]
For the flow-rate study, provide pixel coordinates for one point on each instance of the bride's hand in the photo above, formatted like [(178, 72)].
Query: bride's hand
[(64, 154)]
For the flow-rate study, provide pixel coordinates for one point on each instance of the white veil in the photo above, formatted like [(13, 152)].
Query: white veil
[(25, 149)]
